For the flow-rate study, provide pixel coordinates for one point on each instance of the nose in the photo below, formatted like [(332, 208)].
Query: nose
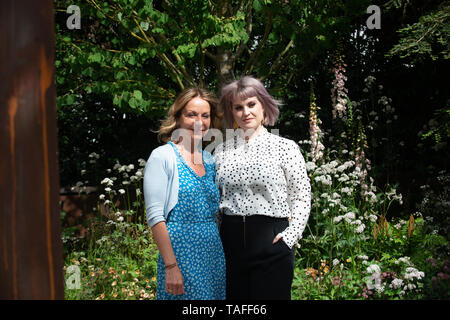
[(246, 110)]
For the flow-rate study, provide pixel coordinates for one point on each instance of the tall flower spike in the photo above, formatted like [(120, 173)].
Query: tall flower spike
[(314, 130), (338, 91)]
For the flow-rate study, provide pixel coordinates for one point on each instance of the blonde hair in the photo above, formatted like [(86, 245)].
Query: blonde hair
[(170, 123)]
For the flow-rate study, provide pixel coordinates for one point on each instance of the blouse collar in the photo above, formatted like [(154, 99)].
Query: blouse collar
[(262, 132)]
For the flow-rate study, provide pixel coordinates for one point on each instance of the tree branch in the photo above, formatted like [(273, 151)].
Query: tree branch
[(248, 29), (250, 63), (277, 62)]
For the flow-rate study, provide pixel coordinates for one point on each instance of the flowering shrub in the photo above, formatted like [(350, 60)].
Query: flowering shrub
[(350, 248), (118, 257)]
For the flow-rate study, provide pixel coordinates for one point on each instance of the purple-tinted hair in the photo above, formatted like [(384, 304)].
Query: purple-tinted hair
[(243, 89)]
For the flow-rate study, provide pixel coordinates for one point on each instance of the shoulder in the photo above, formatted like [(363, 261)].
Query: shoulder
[(162, 156), (208, 157), (164, 152), (223, 147), (283, 143)]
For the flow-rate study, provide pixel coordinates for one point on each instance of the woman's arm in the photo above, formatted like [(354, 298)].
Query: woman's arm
[(174, 278), (298, 194), (155, 192)]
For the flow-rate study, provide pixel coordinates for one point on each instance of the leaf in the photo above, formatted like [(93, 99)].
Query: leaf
[(137, 94), (144, 25), (257, 5), (133, 103), (96, 57)]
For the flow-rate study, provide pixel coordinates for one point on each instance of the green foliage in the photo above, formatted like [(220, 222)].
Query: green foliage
[(429, 37), (438, 129)]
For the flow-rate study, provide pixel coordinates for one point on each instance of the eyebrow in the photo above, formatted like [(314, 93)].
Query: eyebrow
[(192, 111), (239, 104)]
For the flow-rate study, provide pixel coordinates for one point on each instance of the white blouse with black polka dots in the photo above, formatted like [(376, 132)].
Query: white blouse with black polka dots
[(265, 176)]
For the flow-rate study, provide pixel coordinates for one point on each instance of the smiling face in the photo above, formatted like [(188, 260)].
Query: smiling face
[(248, 113), (195, 117)]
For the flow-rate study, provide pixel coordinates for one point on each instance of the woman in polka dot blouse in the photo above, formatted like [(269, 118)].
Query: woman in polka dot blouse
[(265, 195), (181, 202)]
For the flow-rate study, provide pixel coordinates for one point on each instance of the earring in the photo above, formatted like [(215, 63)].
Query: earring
[(235, 125), (262, 121)]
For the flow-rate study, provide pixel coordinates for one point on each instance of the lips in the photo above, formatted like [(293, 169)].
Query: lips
[(247, 120)]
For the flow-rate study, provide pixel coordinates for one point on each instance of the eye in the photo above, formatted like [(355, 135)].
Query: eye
[(238, 107), (251, 104), (206, 116)]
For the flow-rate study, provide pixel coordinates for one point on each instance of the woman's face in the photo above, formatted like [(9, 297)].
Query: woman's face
[(248, 113), (195, 117)]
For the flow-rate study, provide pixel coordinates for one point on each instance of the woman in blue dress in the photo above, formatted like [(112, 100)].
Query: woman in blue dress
[(181, 202)]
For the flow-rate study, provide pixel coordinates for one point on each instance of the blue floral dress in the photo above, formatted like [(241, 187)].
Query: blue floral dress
[(194, 235)]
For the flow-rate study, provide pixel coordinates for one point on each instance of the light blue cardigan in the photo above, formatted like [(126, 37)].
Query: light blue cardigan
[(161, 183)]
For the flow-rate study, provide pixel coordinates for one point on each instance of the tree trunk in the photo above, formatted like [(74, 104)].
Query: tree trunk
[(31, 259), (224, 67)]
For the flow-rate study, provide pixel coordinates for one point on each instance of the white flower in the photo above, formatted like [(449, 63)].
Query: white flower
[(396, 284), (94, 155), (108, 189), (121, 191), (102, 197), (412, 273), (142, 162), (310, 166), (373, 268), (347, 190), (337, 219), (363, 257), (349, 216), (335, 262), (108, 182), (405, 260), (411, 286), (138, 192), (120, 219), (360, 228)]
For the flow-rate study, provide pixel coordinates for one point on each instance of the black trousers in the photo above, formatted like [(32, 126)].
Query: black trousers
[(256, 268)]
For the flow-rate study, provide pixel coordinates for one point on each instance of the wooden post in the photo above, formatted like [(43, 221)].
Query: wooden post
[(31, 259)]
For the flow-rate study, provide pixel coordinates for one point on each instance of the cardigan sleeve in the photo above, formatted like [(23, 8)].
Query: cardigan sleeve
[(155, 189), (298, 194)]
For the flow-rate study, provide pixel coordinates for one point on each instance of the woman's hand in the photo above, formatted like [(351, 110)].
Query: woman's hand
[(278, 237), (174, 281)]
